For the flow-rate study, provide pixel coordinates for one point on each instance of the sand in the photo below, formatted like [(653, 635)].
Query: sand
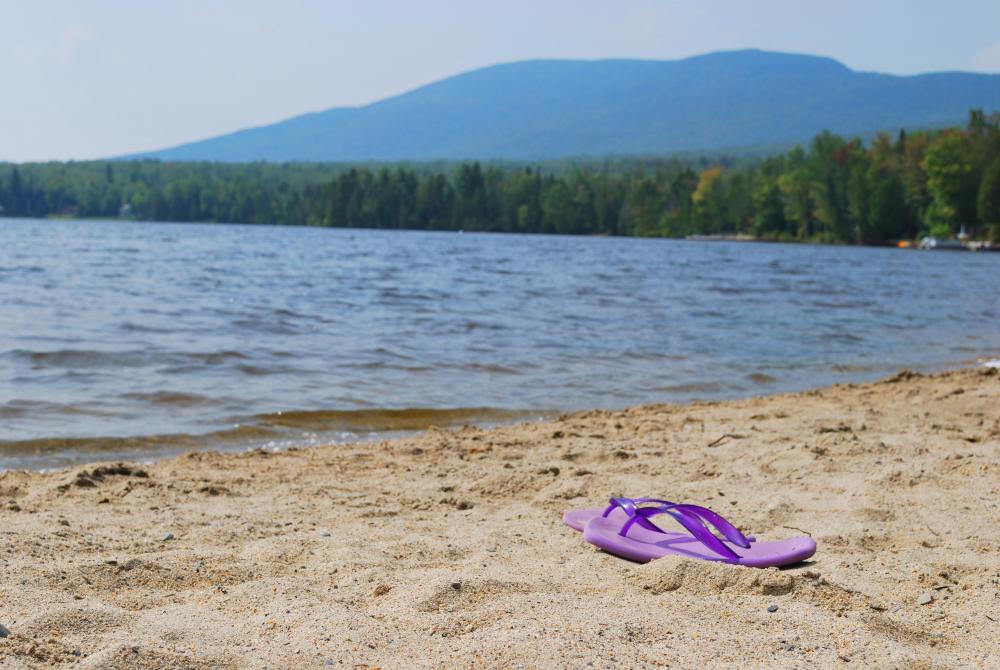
[(446, 550)]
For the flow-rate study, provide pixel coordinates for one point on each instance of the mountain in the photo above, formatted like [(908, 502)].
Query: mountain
[(544, 109)]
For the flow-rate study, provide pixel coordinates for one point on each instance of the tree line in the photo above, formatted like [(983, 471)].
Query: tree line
[(834, 189)]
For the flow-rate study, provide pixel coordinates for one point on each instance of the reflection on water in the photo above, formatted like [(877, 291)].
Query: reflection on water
[(142, 339)]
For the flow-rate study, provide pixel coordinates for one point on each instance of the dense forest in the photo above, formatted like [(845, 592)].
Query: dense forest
[(835, 190)]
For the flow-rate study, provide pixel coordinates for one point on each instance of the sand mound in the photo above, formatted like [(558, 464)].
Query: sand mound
[(74, 622), (18, 652), (696, 577), (675, 573), (465, 595), (134, 657), (94, 477)]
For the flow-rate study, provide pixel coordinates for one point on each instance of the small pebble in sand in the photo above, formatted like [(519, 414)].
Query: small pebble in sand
[(168, 537), (457, 584), (4, 632), (772, 608), (925, 599)]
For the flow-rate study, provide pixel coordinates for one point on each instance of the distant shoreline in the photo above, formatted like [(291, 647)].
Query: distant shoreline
[(900, 244), (839, 189)]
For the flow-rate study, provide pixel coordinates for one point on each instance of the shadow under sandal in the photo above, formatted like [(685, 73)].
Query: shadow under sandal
[(630, 534)]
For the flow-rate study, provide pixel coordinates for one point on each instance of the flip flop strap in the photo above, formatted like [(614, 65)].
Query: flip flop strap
[(628, 505), (728, 530), (691, 522)]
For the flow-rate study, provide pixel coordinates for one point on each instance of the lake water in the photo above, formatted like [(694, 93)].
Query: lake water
[(143, 339)]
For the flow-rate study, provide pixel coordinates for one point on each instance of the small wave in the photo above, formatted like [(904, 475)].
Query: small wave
[(781, 268), (258, 371), (471, 325), (490, 368), (842, 338), (63, 451), (216, 357), (273, 327), (379, 365), (761, 378), (85, 358), (645, 355), (731, 290), (850, 368), (136, 358), (11, 412), (27, 408), (392, 296), (382, 351), (387, 420), (170, 398), (287, 313), (858, 304), (694, 387), (132, 327)]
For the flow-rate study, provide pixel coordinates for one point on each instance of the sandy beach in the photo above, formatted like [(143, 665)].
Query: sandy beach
[(446, 550)]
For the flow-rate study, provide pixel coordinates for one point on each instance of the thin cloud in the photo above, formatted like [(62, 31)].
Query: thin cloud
[(987, 60)]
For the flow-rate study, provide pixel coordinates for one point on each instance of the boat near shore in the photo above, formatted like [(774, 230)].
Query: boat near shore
[(982, 246), (939, 244)]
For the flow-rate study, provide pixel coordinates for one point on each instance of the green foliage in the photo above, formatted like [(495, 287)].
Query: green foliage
[(887, 216), (838, 190), (988, 203), (769, 208), (950, 181)]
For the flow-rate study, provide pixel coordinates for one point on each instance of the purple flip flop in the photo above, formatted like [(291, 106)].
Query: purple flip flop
[(630, 534)]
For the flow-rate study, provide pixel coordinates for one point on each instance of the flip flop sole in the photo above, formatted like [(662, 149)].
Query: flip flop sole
[(644, 545)]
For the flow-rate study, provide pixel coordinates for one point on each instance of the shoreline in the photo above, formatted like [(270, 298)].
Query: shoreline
[(445, 548), (68, 452), (727, 237)]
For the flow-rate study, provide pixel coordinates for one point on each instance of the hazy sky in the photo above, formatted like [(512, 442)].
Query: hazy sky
[(93, 78)]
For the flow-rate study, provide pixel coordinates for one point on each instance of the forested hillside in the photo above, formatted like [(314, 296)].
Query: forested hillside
[(834, 190)]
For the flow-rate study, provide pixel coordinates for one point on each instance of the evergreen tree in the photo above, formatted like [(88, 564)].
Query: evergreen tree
[(887, 214), (770, 212), (988, 202)]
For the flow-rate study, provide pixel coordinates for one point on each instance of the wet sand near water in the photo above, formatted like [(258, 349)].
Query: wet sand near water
[(446, 550)]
